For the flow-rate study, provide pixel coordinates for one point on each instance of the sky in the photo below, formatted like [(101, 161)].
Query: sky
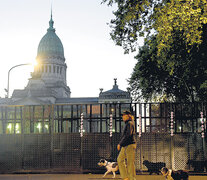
[(93, 60)]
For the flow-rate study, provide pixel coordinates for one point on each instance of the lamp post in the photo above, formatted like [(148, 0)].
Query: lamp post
[(7, 90)]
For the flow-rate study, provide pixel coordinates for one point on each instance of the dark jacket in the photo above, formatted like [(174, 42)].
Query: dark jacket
[(128, 135)]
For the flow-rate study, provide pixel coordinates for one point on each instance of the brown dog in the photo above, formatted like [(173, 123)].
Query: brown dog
[(174, 175)]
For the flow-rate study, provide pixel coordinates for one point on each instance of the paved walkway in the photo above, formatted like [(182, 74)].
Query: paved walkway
[(82, 177)]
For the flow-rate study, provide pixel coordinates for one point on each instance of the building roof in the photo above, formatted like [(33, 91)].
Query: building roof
[(115, 93), (50, 45), (78, 100)]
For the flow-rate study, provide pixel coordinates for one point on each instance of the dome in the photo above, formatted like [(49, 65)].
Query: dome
[(50, 45)]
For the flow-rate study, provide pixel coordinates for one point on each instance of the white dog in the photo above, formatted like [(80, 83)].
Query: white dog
[(110, 166)]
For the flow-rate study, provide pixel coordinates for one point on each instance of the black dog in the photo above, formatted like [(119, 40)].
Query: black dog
[(176, 175), (198, 166), (154, 167)]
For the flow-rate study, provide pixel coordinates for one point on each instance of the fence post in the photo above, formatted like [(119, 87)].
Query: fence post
[(172, 154), (140, 125), (81, 126), (51, 135), (22, 135), (81, 142), (110, 125), (110, 134), (203, 134), (140, 134)]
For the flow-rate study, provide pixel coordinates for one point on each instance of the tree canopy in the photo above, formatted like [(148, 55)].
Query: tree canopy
[(152, 79), (172, 62), (135, 18)]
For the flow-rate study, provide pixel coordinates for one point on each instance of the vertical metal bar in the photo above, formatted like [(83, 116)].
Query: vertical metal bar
[(140, 131), (203, 131), (115, 117), (77, 129), (193, 114), (108, 119), (86, 115), (167, 107), (171, 123), (106, 116), (110, 125), (202, 125), (150, 118), (43, 119), (174, 109), (6, 118), (101, 118), (58, 119), (81, 125), (120, 118), (172, 155), (135, 117), (181, 119), (90, 119), (52, 135), (81, 142), (22, 121), (3, 119), (31, 118), (22, 138), (160, 119), (15, 118), (140, 125), (145, 129), (71, 118), (61, 120)]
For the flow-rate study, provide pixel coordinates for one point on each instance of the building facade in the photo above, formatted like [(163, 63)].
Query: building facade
[(48, 82)]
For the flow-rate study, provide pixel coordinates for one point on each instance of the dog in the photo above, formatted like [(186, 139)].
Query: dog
[(110, 166), (174, 175), (198, 166), (153, 167)]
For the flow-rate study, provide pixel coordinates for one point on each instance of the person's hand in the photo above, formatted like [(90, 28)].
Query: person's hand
[(118, 147), (134, 146)]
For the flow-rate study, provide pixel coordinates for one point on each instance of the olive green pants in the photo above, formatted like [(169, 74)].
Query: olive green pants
[(127, 153)]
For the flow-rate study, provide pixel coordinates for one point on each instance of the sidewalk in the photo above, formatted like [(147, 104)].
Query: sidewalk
[(82, 177)]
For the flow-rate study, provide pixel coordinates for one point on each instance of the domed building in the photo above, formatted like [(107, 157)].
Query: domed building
[(48, 83)]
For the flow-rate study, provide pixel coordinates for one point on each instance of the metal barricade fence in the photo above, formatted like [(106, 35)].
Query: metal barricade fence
[(52, 139)]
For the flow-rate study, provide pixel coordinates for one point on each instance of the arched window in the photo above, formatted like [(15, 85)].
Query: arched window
[(53, 69)]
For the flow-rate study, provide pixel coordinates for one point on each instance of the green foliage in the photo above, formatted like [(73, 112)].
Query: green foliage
[(153, 77), (172, 62), (135, 18)]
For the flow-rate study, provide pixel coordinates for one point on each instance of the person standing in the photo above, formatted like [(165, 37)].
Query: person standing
[(127, 147)]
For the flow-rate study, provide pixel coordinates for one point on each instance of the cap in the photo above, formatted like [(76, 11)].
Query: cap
[(126, 112)]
